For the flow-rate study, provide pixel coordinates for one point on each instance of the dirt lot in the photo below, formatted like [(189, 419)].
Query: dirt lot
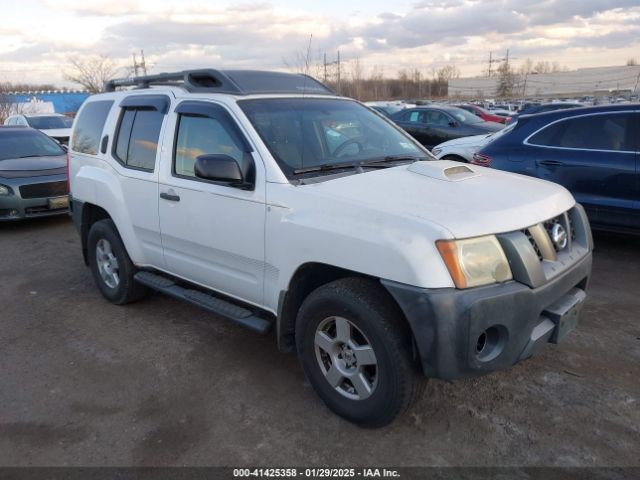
[(83, 382)]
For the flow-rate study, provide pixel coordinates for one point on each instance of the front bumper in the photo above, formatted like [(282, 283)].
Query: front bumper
[(15, 207), (448, 324)]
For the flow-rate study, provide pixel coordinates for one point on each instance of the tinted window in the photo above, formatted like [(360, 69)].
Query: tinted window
[(463, 116), (199, 135), (137, 138), (23, 143), (50, 122), (434, 117), (593, 132), (89, 126)]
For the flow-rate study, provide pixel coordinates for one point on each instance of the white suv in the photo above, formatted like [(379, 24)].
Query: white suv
[(268, 200)]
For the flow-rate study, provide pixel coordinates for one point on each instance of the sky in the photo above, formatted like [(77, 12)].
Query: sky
[(38, 38)]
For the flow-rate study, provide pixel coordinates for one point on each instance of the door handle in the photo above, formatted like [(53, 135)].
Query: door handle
[(550, 163), (170, 197)]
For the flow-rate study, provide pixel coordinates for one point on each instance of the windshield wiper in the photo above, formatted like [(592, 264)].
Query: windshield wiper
[(378, 162), (390, 159)]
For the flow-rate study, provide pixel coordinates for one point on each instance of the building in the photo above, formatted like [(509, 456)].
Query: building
[(584, 81), (65, 102)]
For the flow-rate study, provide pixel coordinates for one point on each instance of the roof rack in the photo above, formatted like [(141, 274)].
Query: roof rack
[(235, 82)]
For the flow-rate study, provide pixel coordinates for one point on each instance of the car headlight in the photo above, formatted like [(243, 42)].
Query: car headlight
[(4, 190), (475, 261), (436, 151)]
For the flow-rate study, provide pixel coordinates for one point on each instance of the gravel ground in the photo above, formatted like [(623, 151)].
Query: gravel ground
[(83, 382)]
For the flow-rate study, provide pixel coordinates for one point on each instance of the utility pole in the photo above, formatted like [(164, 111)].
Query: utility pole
[(139, 67), (135, 65), (490, 62), (339, 72), (325, 67), (143, 65)]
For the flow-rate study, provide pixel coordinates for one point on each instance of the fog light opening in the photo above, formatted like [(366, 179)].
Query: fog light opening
[(482, 342), (490, 343)]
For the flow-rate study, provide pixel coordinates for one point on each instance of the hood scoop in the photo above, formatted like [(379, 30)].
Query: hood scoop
[(445, 170)]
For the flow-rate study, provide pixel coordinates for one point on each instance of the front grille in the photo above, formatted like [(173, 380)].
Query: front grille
[(533, 243), (43, 190), (540, 237), (545, 250)]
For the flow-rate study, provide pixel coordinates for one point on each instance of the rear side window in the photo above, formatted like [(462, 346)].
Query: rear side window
[(593, 132), (89, 126), (137, 137)]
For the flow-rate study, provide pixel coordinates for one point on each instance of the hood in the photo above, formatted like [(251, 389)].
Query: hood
[(57, 132), (466, 200), (466, 141), (26, 167)]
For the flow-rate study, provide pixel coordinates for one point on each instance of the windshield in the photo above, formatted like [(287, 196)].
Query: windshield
[(302, 133), (463, 116), (20, 143), (49, 123)]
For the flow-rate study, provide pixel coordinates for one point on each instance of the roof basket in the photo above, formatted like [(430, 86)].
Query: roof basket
[(235, 82)]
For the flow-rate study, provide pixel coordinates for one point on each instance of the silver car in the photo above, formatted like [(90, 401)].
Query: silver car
[(33, 175)]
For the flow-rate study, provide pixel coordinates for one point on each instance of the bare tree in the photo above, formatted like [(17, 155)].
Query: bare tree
[(506, 80), (8, 106), (91, 72), (357, 75), (632, 62), (527, 67), (444, 75)]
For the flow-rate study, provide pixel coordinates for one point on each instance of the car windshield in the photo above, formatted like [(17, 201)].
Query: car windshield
[(463, 116), (302, 133), (49, 123), (21, 143)]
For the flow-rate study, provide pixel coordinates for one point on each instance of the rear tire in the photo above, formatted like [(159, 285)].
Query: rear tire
[(111, 266), (355, 348)]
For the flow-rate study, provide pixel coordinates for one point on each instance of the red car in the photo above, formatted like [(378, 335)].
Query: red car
[(483, 114)]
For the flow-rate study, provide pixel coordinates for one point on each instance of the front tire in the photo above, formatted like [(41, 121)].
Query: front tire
[(111, 266), (355, 349)]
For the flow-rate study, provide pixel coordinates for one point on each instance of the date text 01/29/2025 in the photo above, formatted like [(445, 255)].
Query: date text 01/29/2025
[(315, 472)]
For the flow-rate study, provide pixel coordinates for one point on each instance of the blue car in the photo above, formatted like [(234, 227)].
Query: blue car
[(593, 152)]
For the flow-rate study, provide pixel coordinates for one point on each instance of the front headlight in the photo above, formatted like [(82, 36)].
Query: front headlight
[(475, 261), (4, 190)]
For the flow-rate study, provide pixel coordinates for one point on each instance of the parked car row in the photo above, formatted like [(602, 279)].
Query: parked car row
[(56, 125)]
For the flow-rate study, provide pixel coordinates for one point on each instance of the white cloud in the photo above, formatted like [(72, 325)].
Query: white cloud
[(424, 35)]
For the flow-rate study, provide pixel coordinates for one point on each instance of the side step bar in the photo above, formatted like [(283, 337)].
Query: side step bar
[(220, 307)]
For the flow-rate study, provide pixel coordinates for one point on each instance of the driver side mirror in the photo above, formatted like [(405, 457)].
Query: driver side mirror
[(453, 124), (218, 168)]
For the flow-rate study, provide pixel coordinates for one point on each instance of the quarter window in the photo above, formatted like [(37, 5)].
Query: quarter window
[(594, 132), (137, 137), (89, 125), (199, 135)]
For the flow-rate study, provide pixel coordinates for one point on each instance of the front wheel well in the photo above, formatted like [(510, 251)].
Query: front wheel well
[(305, 280), (90, 214)]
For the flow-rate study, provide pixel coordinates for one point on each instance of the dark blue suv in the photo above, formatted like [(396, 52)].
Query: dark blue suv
[(592, 151)]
